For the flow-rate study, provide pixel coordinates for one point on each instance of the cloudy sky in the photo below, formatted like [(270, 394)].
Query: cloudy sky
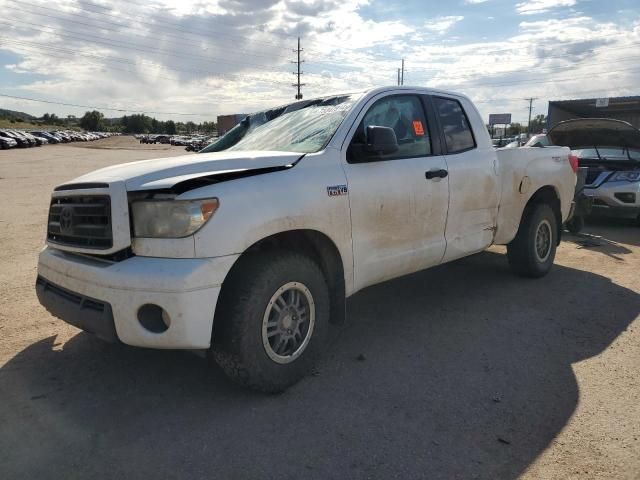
[(204, 58)]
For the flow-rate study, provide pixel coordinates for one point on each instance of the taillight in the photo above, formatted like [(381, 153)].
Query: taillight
[(573, 161)]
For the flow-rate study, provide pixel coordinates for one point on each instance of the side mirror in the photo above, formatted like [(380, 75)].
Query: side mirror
[(381, 140)]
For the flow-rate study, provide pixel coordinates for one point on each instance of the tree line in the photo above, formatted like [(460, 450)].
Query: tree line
[(537, 125), (140, 123)]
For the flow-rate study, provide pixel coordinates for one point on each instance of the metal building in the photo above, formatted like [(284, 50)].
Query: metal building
[(620, 108)]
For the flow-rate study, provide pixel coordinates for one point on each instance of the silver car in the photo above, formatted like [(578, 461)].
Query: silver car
[(610, 150)]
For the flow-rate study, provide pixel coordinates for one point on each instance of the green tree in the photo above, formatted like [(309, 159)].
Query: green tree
[(138, 123), (515, 129), (156, 126), (170, 127), (92, 121), (207, 127), (538, 123)]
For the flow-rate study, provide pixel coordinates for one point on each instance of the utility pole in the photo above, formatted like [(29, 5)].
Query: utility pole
[(299, 62), (398, 76), (530, 100), (402, 74)]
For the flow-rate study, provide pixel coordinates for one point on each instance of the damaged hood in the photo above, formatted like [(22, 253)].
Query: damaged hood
[(163, 173), (594, 132)]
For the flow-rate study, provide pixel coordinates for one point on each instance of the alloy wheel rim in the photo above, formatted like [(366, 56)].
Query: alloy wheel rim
[(543, 241), (288, 321)]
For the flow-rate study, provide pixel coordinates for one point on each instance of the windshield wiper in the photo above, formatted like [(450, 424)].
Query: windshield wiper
[(628, 154), (597, 152)]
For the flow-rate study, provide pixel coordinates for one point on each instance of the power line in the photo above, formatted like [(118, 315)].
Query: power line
[(451, 50), (156, 23), (130, 46), (38, 47), (102, 7), (125, 110), (575, 94), (473, 70), (193, 32), (124, 26), (537, 81), (190, 32)]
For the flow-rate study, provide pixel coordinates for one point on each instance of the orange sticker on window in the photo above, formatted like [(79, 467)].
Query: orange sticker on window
[(418, 128)]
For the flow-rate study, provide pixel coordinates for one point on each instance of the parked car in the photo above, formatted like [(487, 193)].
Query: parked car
[(198, 144), (250, 251), (22, 141), (148, 139), (49, 136), (39, 141), (6, 142), (610, 150), (64, 135)]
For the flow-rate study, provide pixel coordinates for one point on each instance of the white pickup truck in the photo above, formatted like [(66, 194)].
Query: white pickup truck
[(250, 251)]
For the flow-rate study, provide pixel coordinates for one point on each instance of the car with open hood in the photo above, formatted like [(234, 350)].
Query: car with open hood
[(610, 151)]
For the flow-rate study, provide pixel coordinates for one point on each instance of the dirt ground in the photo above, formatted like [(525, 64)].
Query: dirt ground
[(462, 371)]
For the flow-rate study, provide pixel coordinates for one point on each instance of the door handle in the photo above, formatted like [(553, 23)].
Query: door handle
[(431, 174)]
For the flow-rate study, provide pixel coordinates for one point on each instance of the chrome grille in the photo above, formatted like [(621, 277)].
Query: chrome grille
[(81, 221)]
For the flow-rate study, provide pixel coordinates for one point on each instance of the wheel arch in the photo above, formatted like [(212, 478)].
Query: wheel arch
[(317, 246), (548, 195)]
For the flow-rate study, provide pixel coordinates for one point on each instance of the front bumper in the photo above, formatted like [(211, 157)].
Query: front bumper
[(607, 202), (187, 289)]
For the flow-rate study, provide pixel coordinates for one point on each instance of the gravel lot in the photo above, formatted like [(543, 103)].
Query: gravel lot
[(463, 371)]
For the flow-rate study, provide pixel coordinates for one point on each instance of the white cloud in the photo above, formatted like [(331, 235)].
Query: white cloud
[(541, 6), (442, 24), (229, 56)]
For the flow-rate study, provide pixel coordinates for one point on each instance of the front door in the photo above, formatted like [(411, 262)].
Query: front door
[(398, 201)]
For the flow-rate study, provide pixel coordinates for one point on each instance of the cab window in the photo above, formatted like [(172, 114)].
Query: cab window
[(405, 115)]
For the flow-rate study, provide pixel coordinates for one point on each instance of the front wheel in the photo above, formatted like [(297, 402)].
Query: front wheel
[(272, 321), (532, 252)]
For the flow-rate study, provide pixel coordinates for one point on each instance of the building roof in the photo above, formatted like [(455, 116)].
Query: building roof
[(587, 107)]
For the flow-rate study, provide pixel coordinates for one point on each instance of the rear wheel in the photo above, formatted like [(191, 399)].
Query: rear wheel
[(272, 321), (532, 252)]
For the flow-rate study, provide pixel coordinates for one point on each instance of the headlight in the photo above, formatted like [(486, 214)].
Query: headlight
[(628, 176), (171, 218)]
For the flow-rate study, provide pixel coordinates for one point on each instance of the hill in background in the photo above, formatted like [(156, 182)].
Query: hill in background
[(13, 115)]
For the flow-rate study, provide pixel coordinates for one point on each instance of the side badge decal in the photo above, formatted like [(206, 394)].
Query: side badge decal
[(335, 190)]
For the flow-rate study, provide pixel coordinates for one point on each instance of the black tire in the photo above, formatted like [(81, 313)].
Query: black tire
[(237, 344), (576, 224), (524, 259)]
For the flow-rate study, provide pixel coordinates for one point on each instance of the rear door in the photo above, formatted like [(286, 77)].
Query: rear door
[(398, 215), (473, 179)]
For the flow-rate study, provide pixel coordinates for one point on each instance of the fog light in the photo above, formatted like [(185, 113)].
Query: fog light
[(154, 318), (626, 197)]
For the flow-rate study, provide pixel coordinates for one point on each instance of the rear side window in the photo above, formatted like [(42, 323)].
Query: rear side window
[(455, 125)]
